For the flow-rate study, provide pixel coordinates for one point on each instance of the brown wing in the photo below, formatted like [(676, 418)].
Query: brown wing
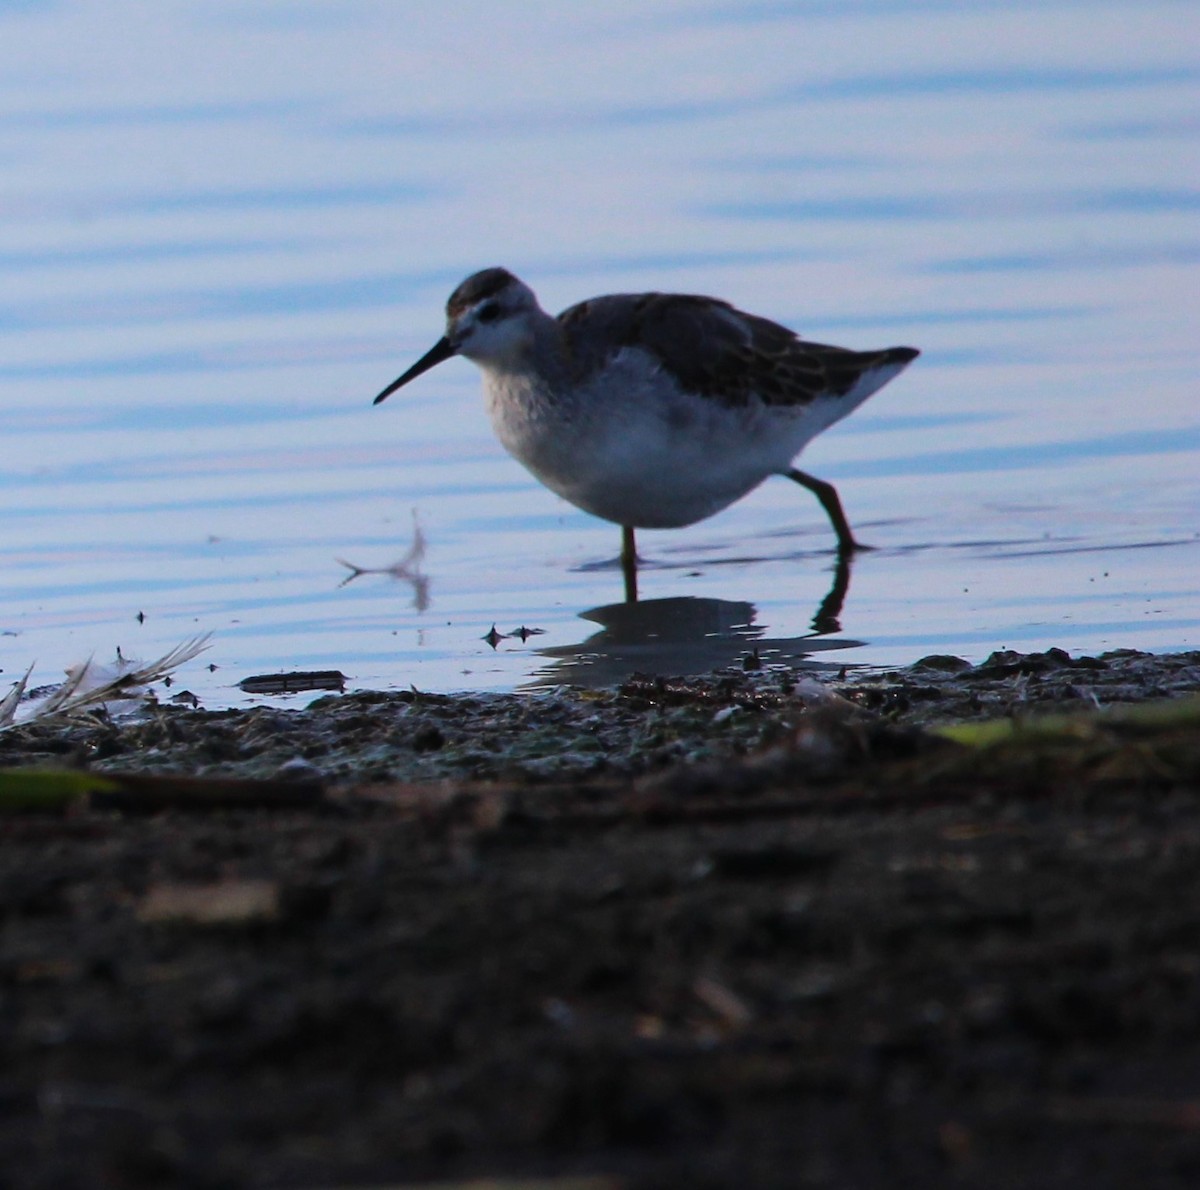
[(715, 350)]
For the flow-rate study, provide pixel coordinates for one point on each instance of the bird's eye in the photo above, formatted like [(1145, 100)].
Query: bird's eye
[(489, 312)]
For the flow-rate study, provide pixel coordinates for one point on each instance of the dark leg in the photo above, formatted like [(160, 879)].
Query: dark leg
[(629, 563), (827, 494)]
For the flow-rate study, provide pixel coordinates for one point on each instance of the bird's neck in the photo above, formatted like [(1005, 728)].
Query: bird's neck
[(541, 363)]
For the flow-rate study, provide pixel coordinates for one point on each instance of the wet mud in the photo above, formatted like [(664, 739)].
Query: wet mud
[(937, 926)]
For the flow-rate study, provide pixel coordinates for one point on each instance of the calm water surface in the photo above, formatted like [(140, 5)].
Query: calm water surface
[(224, 227)]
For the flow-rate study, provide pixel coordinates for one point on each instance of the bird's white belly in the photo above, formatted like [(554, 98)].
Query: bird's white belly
[(635, 450)]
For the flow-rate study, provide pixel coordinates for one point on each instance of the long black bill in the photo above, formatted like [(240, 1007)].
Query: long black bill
[(442, 350)]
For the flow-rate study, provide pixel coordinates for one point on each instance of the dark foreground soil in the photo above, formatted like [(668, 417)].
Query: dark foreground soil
[(738, 932)]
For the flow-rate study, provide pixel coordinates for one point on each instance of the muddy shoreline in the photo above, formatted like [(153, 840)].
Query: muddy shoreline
[(754, 929), (645, 724)]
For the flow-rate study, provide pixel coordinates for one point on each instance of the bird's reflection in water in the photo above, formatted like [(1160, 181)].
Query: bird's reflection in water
[(829, 610), (687, 635)]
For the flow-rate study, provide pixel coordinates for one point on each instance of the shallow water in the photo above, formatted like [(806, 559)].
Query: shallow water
[(225, 228)]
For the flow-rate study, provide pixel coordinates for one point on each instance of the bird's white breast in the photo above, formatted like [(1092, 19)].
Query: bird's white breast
[(628, 445)]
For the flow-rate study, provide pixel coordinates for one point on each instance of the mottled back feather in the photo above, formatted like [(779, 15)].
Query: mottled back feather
[(715, 350)]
